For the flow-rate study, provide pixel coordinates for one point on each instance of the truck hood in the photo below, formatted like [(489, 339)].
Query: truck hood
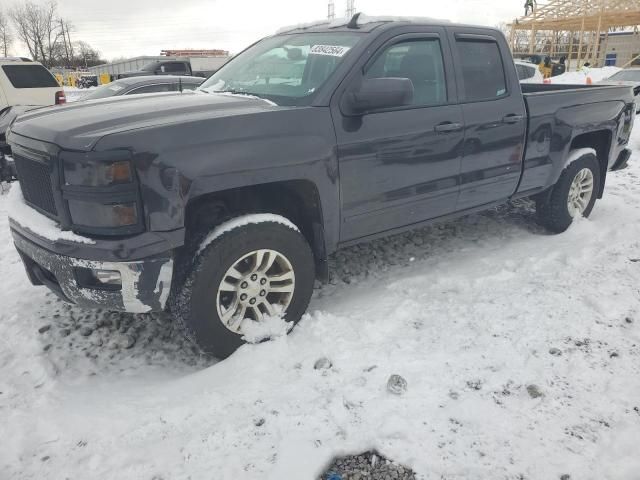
[(78, 126)]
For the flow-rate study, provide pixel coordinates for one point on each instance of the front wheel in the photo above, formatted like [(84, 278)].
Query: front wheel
[(247, 269), (573, 195)]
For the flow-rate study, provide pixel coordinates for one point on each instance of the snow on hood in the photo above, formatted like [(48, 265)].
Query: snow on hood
[(245, 95)]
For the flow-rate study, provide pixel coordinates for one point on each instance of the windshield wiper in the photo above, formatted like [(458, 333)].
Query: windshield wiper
[(234, 92)]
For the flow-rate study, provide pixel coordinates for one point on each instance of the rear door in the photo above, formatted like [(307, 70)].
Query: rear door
[(494, 116), (400, 166)]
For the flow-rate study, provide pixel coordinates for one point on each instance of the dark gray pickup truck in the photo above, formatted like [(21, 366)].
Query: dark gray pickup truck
[(222, 205)]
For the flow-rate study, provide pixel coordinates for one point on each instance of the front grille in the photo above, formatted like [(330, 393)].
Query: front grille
[(35, 181)]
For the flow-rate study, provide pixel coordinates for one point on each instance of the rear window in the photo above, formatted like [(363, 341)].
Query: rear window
[(482, 70), (173, 67), (29, 76)]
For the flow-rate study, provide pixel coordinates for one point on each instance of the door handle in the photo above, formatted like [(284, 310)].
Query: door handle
[(512, 118), (446, 127)]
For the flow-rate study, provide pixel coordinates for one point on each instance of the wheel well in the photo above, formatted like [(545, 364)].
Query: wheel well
[(297, 200), (600, 141)]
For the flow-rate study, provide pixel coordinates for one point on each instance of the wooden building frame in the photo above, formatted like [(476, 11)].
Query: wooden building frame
[(574, 29)]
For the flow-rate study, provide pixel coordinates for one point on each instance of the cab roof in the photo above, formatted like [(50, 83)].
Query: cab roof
[(360, 22)]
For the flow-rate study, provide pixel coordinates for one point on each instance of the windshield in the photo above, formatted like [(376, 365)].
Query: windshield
[(627, 76), (104, 91), (286, 69)]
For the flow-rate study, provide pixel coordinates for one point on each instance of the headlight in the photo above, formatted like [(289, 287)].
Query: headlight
[(96, 169), (96, 215), (101, 192)]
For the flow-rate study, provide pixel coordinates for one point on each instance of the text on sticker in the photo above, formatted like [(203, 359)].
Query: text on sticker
[(333, 50)]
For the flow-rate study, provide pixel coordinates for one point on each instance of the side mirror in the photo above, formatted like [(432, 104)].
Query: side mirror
[(377, 94)]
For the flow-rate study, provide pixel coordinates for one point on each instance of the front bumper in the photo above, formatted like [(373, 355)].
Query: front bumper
[(622, 161), (146, 281)]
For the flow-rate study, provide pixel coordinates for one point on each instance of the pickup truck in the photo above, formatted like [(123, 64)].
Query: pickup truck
[(196, 66), (222, 205)]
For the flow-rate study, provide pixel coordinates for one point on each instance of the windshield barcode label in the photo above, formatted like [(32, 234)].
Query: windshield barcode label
[(333, 50)]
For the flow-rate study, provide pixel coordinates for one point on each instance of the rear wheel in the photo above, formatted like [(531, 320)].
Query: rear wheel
[(252, 267), (572, 196)]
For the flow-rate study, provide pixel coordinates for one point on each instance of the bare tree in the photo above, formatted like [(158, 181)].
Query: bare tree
[(38, 26), (86, 55), (6, 38)]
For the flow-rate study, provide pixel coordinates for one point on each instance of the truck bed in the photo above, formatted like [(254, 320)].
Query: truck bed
[(555, 114)]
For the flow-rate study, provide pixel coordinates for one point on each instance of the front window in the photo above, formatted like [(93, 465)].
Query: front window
[(627, 76), (286, 69), (421, 62)]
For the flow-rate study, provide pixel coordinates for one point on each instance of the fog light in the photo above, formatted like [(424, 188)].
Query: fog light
[(98, 279), (108, 277)]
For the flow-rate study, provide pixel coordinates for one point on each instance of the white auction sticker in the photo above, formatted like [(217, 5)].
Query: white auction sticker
[(332, 50)]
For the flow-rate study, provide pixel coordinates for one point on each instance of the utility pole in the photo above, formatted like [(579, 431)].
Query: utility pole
[(351, 8), (331, 10)]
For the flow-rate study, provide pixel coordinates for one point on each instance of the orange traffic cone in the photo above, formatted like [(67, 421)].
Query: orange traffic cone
[(589, 81)]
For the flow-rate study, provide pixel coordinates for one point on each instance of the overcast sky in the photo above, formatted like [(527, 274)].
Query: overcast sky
[(127, 28)]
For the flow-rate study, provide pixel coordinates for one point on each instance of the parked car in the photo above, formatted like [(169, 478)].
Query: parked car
[(222, 205), (24, 85), (629, 77), (23, 82), (139, 85), (197, 66), (528, 72)]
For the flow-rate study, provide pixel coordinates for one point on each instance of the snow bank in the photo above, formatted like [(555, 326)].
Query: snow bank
[(39, 224), (580, 77)]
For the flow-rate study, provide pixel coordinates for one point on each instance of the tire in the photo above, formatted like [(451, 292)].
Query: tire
[(197, 300), (553, 208)]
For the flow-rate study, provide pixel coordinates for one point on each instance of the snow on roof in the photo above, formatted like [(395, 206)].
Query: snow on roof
[(362, 20)]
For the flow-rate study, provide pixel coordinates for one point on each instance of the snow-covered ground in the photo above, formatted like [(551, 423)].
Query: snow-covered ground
[(521, 351), (580, 77)]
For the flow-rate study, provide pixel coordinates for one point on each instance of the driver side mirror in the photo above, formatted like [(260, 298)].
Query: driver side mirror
[(377, 94)]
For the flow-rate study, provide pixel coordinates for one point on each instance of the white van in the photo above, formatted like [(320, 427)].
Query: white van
[(23, 82)]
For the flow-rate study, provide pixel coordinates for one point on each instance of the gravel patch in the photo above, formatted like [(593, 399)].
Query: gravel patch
[(367, 466)]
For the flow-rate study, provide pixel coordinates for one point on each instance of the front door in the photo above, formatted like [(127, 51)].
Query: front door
[(400, 166)]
